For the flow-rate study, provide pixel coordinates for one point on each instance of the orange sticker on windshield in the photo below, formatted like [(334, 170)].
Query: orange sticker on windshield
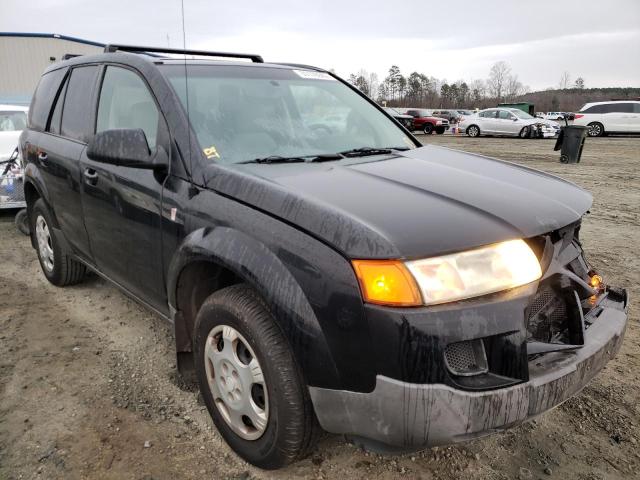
[(211, 152)]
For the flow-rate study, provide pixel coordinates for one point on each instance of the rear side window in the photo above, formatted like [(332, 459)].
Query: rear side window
[(125, 102), (76, 114), (488, 114), (43, 98), (596, 109)]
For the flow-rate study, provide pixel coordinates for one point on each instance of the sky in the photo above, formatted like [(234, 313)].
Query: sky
[(540, 39)]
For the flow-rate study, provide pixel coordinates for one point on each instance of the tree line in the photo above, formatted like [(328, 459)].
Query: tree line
[(501, 86)]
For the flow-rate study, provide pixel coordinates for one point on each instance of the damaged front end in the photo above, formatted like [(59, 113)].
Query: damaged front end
[(570, 294), (467, 369)]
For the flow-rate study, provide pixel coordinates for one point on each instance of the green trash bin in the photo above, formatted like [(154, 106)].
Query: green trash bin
[(570, 142)]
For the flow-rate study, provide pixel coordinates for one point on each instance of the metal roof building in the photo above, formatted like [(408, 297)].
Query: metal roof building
[(24, 56)]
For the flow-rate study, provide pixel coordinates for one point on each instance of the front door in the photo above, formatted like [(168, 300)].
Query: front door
[(122, 205)]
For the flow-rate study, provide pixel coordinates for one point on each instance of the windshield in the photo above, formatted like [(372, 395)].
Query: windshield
[(245, 112), (12, 121), (521, 114)]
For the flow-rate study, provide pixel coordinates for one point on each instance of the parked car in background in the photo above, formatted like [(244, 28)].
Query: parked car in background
[(507, 122), (465, 113), (423, 120), (452, 116), (555, 116), (609, 117), (13, 119), (405, 120)]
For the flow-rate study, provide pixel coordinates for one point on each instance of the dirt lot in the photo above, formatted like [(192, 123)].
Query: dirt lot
[(88, 387)]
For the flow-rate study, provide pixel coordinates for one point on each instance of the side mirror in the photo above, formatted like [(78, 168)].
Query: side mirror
[(126, 147), (515, 119)]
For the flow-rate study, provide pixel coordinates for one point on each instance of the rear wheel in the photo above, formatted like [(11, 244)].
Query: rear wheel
[(250, 381), (596, 129), (22, 221), (57, 264), (428, 129), (473, 131)]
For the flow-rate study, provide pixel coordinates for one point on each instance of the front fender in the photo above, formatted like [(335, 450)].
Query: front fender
[(254, 262)]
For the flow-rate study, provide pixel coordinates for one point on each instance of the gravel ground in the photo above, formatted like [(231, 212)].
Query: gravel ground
[(88, 387)]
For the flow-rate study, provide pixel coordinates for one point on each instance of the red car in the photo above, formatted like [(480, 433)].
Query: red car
[(423, 121)]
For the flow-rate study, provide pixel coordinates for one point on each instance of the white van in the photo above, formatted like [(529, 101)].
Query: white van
[(621, 116)]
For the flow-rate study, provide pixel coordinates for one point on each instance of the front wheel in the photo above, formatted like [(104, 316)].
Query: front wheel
[(428, 129), (524, 133), (250, 381), (473, 131), (596, 129)]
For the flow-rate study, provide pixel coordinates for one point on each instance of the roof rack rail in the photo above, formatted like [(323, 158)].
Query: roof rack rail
[(136, 49), (68, 56), (301, 65)]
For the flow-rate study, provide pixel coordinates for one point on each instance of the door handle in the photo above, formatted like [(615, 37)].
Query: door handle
[(90, 176), (43, 157)]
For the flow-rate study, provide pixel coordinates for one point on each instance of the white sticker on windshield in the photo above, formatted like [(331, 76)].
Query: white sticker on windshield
[(313, 75)]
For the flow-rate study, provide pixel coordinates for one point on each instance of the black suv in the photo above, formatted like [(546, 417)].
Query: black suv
[(341, 277)]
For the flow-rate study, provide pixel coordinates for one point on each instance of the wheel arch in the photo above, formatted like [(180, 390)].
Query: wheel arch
[(212, 259), (473, 125)]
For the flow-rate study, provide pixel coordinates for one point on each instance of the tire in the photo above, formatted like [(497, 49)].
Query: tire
[(524, 133), (286, 428), (564, 159), (473, 131), (22, 222), (57, 264), (440, 130), (427, 129), (596, 129)]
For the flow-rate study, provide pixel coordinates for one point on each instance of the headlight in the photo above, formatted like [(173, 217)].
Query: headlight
[(475, 272), (447, 278), (439, 122)]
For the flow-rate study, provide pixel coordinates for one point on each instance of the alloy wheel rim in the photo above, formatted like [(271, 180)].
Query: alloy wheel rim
[(236, 382), (45, 248), (473, 131), (594, 130)]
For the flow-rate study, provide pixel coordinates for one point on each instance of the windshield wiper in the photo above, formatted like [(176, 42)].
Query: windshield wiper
[(364, 151), (322, 157), (276, 159)]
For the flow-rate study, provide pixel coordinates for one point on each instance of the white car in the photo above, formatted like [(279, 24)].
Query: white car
[(505, 121), (558, 116), (610, 117), (13, 119)]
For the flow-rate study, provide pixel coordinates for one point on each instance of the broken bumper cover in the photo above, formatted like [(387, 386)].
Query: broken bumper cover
[(412, 416)]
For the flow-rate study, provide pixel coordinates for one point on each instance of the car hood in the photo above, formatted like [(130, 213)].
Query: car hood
[(419, 203)]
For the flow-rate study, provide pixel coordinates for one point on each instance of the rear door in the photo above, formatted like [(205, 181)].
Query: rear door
[(122, 205), (58, 152), (488, 122)]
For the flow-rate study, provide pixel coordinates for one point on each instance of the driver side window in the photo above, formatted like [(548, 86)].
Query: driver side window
[(125, 102), (504, 115)]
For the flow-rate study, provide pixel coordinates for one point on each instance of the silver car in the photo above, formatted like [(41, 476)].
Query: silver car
[(507, 122)]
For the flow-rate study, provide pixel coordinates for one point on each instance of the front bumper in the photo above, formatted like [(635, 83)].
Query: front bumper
[(413, 416)]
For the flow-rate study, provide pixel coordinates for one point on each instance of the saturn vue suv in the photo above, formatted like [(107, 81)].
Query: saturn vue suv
[(344, 279)]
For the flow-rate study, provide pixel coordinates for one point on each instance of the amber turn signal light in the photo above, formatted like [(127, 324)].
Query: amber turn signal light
[(387, 282)]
